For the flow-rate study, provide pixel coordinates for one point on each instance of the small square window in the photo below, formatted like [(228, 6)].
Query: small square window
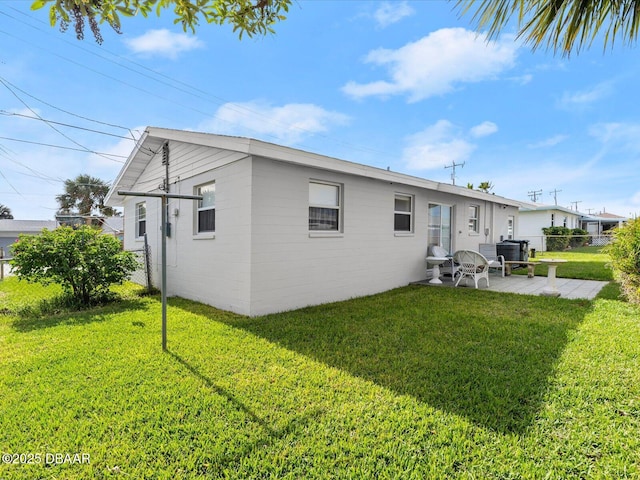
[(403, 213), (324, 207)]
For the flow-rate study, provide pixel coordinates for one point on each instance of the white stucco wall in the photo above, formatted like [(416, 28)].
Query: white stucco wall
[(292, 267), (262, 257)]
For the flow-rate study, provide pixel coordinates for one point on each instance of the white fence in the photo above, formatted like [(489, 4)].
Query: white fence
[(539, 242)]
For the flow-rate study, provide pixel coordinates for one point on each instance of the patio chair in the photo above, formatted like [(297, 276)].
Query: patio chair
[(471, 264), (490, 252), (450, 268)]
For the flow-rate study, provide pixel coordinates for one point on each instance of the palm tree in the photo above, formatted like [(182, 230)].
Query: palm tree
[(5, 212), (84, 196), (485, 187), (560, 25)]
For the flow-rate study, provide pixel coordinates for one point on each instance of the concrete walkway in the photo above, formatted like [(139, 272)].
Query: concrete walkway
[(568, 288)]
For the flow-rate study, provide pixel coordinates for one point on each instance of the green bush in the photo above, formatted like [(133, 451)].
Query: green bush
[(84, 261), (557, 238), (624, 251), (579, 238)]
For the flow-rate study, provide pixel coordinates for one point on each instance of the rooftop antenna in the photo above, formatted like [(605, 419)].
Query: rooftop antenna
[(575, 204), (555, 195), (533, 195), (453, 170)]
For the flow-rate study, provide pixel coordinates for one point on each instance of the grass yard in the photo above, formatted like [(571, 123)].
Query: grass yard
[(412, 383), (584, 263)]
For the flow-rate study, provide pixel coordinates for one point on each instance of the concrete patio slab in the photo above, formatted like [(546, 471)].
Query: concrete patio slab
[(568, 288)]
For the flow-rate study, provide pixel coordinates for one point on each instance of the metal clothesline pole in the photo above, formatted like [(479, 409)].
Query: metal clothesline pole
[(163, 226)]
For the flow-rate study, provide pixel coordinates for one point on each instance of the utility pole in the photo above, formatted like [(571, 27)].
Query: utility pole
[(555, 195), (453, 170), (533, 195), (575, 204)]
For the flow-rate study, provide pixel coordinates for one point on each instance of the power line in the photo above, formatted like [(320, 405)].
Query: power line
[(12, 114), (106, 155), (49, 124), (207, 96)]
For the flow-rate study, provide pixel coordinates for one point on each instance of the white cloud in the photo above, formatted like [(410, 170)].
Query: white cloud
[(582, 98), (163, 43), (549, 142), (287, 124), (389, 13), (522, 79), (436, 64), (484, 129), (618, 136), (436, 146)]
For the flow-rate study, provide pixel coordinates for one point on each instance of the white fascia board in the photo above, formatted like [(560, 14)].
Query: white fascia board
[(259, 148), (112, 199)]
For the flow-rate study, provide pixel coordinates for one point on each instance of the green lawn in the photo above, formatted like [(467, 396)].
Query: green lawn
[(585, 263), (412, 383)]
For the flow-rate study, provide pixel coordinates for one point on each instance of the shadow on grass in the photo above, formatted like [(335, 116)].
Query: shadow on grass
[(297, 423), (486, 356), (46, 314)]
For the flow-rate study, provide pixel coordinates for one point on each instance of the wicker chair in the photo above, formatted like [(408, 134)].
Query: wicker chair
[(471, 264)]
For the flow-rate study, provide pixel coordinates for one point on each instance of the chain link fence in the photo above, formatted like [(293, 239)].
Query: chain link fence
[(543, 243), (142, 275)]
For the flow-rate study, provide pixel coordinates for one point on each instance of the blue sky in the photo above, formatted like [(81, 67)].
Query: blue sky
[(405, 85)]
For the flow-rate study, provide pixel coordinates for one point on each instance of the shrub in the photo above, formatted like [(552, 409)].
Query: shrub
[(557, 238), (579, 238), (84, 261), (624, 251)]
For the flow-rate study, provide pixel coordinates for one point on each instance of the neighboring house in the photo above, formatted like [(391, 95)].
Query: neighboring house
[(533, 218), (109, 225), (280, 228), (113, 226), (10, 229), (601, 223)]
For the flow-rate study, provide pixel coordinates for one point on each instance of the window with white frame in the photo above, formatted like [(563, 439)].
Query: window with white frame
[(474, 219), (324, 206), (403, 213), (141, 219), (565, 222), (206, 212), (553, 220)]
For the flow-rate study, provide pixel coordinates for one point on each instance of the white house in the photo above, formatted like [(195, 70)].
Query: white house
[(533, 218), (11, 229), (602, 223), (280, 228)]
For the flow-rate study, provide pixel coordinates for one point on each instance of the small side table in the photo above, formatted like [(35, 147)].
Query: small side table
[(435, 263), (551, 290)]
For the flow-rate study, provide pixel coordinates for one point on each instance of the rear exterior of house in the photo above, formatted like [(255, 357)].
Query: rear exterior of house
[(280, 228)]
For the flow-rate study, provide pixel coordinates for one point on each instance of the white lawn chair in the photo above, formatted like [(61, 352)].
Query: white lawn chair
[(490, 252), (471, 264)]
